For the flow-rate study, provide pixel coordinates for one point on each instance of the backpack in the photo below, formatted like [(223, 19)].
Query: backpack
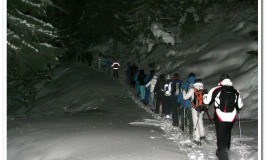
[(174, 87), (166, 89), (197, 102), (146, 78), (184, 103), (228, 99)]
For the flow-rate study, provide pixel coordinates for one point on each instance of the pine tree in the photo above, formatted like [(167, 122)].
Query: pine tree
[(30, 48)]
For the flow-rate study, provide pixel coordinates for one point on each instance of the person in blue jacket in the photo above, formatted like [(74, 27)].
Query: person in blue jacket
[(185, 110)]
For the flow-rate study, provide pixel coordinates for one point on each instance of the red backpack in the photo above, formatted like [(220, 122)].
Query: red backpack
[(197, 102)]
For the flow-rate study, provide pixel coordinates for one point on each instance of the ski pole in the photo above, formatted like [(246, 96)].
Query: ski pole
[(210, 119), (239, 125), (184, 119)]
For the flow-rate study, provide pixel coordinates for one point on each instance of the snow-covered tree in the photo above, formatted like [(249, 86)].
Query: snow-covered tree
[(30, 48)]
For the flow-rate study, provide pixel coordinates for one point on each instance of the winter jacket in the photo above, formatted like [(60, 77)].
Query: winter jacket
[(166, 88), (152, 84), (141, 77), (190, 93), (213, 96), (185, 87), (159, 87), (173, 88), (115, 65)]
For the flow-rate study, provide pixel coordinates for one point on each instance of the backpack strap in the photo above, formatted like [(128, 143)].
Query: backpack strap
[(192, 101), (237, 96)]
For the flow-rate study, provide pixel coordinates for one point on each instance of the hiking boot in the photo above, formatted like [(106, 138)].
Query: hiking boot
[(175, 124), (222, 154), (182, 128)]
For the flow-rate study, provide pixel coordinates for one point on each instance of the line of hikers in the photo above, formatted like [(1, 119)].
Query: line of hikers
[(106, 63), (188, 101)]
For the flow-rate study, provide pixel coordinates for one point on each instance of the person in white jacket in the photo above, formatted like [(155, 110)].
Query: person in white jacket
[(224, 118), (197, 116), (115, 65), (152, 84)]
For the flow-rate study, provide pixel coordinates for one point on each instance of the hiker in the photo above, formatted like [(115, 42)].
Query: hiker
[(115, 65), (109, 63), (195, 93), (89, 58), (151, 84), (127, 73), (185, 111), (147, 89), (142, 83), (99, 62), (174, 88), (227, 102), (132, 73), (167, 106), (159, 93), (137, 83), (104, 63)]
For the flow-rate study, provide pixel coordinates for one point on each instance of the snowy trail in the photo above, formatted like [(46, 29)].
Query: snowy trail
[(245, 148), (86, 114)]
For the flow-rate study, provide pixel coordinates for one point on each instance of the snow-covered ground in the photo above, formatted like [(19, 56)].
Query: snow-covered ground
[(87, 114)]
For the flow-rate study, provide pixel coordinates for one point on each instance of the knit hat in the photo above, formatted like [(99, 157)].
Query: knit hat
[(152, 71), (168, 77), (176, 75), (224, 76), (191, 75), (198, 81), (198, 84)]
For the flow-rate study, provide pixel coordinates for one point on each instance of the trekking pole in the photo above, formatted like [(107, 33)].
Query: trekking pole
[(184, 120), (209, 117), (239, 126)]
